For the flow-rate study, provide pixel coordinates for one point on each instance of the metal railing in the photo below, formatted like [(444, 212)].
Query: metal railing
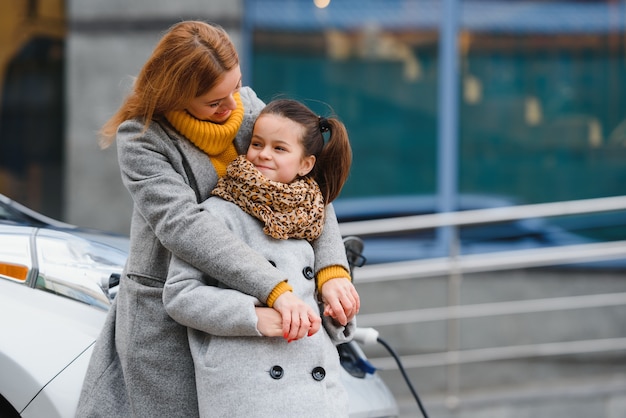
[(454, 266)]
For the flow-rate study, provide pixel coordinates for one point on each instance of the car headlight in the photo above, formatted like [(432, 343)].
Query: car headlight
[(77, 268)]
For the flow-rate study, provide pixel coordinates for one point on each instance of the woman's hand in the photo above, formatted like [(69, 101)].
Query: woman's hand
[(270, 322), (341, 300), (299, 319)]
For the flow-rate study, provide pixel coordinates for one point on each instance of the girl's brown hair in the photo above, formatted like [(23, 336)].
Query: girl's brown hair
[(189, 60), (333, 157)]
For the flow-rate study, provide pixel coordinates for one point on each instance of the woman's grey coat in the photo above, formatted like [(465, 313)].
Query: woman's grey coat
[(235, 366), (141, 365)]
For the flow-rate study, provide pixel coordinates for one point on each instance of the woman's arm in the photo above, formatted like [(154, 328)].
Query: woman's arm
[(194, 300)]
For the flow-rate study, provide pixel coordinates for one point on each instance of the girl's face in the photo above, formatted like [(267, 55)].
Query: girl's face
[(218, 103), (276, 150)]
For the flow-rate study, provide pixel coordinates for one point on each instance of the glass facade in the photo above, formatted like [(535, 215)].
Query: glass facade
[(391, 118), (542, 101)]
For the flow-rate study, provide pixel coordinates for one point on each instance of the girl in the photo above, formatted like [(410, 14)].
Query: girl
[(274, 199), (186, 118)]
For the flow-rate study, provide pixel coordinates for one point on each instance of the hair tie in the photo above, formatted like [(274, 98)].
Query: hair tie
[(324, 125)]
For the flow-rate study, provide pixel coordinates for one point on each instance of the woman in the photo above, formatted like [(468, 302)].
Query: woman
[(186, 118), (273, 198)]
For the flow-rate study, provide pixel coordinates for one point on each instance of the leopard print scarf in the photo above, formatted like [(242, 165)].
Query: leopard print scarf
[(294, 210)]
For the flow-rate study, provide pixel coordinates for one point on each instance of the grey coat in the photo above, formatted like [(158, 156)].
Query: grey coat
[(141, 365), (239, 373)]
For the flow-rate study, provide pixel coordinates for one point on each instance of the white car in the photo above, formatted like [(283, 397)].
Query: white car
[(56, 283)]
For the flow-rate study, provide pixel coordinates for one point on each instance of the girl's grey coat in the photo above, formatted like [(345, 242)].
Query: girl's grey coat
[(141, 365), (235, 366)]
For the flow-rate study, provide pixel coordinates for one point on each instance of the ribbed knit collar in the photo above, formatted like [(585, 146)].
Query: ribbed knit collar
[(212, 138)]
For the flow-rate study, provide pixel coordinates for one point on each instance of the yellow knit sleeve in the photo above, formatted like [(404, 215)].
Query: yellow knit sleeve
[(280, 288), (331, 272)]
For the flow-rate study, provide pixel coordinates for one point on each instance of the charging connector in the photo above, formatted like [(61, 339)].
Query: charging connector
[(366, 336)]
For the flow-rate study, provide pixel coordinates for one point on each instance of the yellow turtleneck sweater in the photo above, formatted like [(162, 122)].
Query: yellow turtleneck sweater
[(216, 140)]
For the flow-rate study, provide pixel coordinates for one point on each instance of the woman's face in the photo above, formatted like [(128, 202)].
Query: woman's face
[(276, 150), (218, 103)]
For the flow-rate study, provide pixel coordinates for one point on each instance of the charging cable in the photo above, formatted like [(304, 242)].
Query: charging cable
[(369, 336)]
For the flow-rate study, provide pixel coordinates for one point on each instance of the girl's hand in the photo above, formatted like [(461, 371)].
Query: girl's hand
[(341, 300), (270, 322), (299, 319)]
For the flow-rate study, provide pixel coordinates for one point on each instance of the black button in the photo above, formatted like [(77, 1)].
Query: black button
[(318, 373), (272, 263), (276, 372), (308, 273)]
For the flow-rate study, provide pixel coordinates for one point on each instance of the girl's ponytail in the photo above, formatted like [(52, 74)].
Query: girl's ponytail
[(333, 162)]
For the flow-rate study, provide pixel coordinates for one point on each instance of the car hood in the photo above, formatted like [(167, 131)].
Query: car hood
[(42, 334)]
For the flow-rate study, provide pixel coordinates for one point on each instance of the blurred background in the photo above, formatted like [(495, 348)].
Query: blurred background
[(521, 101), (541, 91)]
